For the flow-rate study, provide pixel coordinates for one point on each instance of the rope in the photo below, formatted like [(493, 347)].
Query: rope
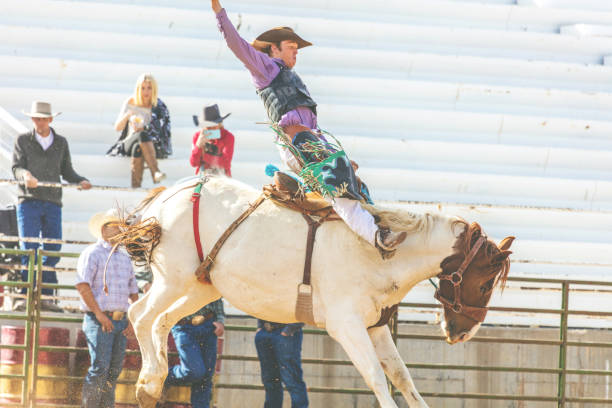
[(12, 238), (77, 186)]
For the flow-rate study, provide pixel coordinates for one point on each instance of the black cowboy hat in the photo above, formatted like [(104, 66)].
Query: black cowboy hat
[(211, 116), (275, 36)]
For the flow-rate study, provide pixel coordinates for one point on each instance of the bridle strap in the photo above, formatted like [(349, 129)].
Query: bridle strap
[(476, 313)]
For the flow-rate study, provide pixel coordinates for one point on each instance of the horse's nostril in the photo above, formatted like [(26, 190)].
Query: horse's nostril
[(463, 336)]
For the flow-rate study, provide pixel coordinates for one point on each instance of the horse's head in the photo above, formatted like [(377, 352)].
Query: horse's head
[(468, 279)]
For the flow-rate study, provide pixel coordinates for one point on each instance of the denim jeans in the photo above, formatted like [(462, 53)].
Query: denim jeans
[(36, 218), (106, 351), (280, 358), (197, 350)]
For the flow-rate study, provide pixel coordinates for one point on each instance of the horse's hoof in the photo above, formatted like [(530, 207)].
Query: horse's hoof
[(145, 400)]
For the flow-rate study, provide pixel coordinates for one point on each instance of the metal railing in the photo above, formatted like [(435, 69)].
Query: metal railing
[(34, 320)]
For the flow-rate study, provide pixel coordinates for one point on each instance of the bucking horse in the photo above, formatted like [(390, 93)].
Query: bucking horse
[(260, 268)]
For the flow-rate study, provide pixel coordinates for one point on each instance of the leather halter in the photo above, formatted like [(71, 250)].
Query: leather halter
[(476, 313)]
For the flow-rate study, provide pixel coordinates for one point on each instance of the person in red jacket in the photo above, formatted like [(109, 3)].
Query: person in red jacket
[(213, 146)]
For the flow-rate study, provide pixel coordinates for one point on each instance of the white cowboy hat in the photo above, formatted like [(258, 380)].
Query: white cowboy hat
[(97, 221), (40, 110)]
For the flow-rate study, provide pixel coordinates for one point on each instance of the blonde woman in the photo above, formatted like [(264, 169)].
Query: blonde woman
[(144, 121)]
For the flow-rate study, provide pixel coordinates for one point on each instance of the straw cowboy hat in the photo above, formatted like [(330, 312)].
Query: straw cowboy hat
[(275, 36), (97, 221), (41, 110)]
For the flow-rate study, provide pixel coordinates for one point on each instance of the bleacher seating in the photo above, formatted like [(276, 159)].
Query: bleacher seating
[(453, 101)]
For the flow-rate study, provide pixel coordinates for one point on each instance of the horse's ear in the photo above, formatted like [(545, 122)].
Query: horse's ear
[(506, 242), (502, 256)]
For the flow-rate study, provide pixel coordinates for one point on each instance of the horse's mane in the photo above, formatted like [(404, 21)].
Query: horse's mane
[(402, 220), (151, 195)]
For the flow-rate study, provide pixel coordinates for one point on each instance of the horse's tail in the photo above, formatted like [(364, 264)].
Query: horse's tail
[(138, 236)]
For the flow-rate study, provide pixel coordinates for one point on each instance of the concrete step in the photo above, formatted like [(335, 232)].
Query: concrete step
[(593, 5), (395, 184), (48, 74), (348, 36), (455, 69), (340, 118), (421, 154), (186, 19)]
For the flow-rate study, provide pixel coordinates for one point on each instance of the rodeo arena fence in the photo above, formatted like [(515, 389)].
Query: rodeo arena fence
[(39, 367)]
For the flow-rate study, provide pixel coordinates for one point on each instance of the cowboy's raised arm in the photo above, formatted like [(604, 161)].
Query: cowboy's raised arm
[(263, 69)]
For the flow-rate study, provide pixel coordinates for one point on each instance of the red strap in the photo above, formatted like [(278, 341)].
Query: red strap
[(195, 198)]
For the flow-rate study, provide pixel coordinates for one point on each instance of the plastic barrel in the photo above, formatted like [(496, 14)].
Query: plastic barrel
[(177, 397), (125, 394), (49, 364)]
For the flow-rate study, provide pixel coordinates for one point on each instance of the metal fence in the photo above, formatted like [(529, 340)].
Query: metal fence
[(33, 321)]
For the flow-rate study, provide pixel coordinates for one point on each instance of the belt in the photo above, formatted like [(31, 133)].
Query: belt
[(115, 315), (268, 326), (196, 320)]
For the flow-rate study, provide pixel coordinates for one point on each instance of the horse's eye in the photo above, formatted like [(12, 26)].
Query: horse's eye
[(487, 287)]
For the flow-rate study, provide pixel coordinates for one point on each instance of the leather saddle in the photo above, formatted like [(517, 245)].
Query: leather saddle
[(287, 192)]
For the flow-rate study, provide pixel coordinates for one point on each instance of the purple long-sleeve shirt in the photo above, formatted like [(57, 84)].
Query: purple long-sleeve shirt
[(263, 69)]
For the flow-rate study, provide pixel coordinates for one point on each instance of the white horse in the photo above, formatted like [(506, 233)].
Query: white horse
[(261, 264)]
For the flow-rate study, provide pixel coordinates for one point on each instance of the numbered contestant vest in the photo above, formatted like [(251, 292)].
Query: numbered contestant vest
[(285, 93)]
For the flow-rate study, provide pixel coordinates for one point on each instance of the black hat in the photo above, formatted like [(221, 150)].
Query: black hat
[(211, 114)]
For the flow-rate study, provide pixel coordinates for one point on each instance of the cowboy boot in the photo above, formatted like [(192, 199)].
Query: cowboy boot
[(148, 152), (387, 241), (137, 170)]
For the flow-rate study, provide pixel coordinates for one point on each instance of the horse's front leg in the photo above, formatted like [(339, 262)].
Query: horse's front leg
[(350, 332), (394, 366), (151, 380), (142, 315)]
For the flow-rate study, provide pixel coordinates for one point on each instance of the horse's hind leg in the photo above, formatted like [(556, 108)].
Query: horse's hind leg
[(394, 366), (348, 330)]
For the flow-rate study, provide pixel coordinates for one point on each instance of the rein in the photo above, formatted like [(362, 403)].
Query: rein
[(476, 313)]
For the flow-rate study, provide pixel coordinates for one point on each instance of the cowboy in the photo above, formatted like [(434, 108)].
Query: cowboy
[(196, 343), (213, 146), (279, 349), (42, 155), (270, 59), (107, 285)]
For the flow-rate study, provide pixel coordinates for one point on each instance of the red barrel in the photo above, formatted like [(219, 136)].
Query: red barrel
[(49, 364)]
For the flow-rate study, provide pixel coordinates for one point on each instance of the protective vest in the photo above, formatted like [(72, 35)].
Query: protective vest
[(285, 93)]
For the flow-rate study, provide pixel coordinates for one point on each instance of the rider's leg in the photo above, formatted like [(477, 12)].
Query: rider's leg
[(354, 215), (363, 224)]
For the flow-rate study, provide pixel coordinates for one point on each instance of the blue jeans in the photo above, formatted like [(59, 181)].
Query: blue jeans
[(36, 218), (280, 358), (197, 350), (106, 351)]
